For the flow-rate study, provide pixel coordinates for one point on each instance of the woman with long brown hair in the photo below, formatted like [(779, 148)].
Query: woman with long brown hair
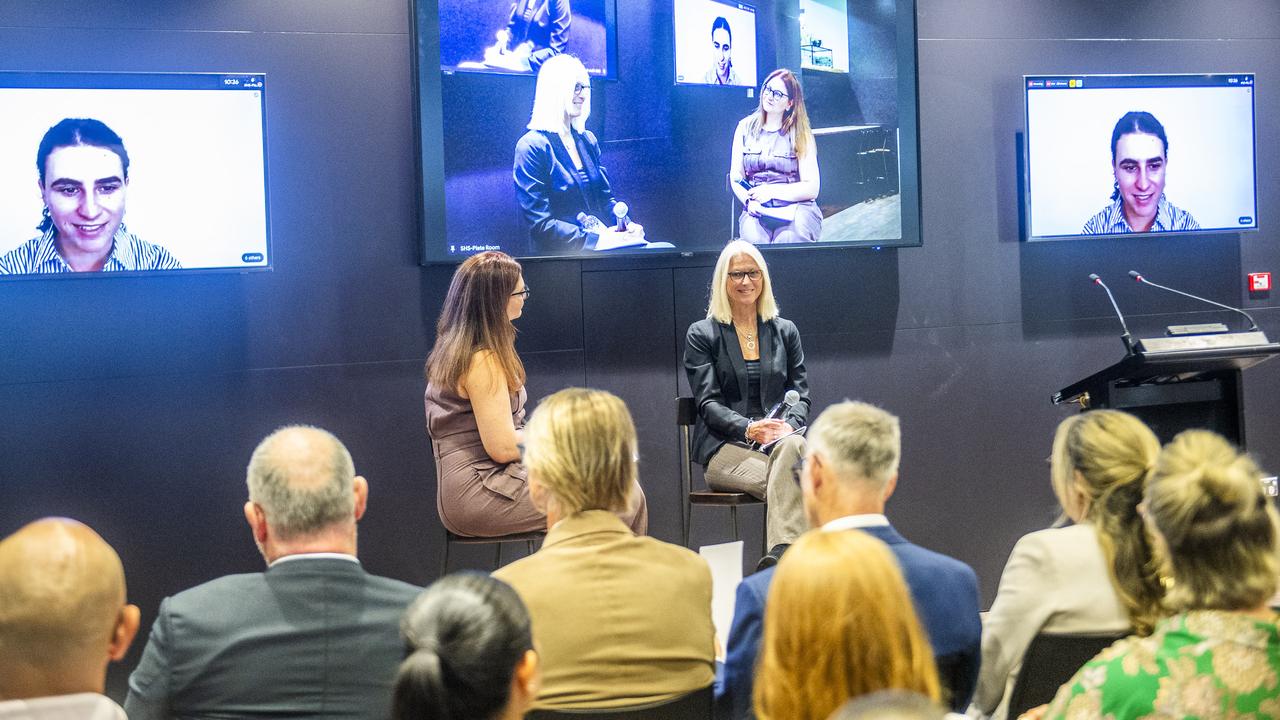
[(773, 169), (839, 623), (475, 405)]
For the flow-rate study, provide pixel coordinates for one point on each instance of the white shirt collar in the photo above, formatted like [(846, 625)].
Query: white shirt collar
[(857, 522), (313, 556)]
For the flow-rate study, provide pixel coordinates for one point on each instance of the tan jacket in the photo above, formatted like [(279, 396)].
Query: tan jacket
[(617, 619)]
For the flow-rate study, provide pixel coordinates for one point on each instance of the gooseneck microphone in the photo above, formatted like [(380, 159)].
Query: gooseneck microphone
[(1126, 338), (1253, 326)]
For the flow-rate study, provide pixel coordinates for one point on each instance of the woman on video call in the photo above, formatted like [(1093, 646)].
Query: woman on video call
[(557, 170), (475, 405), (774, 166), (83, 172), (1139, 160)]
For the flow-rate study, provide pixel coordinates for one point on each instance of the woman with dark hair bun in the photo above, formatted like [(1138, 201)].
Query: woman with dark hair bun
[(471, 653)]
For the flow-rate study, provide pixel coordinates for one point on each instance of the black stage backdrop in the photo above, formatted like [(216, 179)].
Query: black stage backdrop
[(133, 403)]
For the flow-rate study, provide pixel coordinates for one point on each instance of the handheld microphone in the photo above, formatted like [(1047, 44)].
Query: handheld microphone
[(788, 401), (620, 214), (1126, 338), (1253, 326)]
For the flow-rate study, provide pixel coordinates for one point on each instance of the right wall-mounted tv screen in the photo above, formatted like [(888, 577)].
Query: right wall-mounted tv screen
[(1111, 155), (710, 127)]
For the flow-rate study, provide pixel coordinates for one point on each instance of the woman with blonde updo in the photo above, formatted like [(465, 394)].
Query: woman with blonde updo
[(1214, 530), (618, 619), (839, 623), (1095, 576)]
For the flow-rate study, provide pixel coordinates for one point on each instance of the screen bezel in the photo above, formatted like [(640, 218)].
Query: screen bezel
[(74, 80)]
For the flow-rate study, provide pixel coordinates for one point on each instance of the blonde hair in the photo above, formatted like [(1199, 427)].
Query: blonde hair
[(719, 308), (580, 444), (795, 120), (859, 440), (1217, 528), (1110, 452), (839, 623), (556, 79)]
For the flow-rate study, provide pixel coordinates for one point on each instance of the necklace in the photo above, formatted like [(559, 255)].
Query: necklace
[(749, 337)]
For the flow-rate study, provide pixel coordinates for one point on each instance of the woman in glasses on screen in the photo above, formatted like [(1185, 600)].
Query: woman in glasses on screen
[(774, 167), (475, 405), (1139, 159), (83, 176), (741, 361), (563, 190)]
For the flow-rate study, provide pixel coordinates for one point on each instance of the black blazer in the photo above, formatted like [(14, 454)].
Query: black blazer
[(718, 378), (551, 194)]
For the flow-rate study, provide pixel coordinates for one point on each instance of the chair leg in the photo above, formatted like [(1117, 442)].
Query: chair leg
[(733, 513), (685, 518), (444, 566), (497, 555), (528, 546)]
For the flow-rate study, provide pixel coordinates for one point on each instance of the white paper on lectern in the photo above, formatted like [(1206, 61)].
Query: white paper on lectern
[(725, 560)]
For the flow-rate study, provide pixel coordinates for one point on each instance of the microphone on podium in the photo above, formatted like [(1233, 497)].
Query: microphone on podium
[(1137, 276), (1126, 338)]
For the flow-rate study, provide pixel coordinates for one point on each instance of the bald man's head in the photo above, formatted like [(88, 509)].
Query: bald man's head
[(302, 478), (62, 609)]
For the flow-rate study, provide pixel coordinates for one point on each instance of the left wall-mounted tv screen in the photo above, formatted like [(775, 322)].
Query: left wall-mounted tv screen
[(132, 173)]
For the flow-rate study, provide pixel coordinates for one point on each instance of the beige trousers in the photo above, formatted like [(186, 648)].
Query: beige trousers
[(737, 468)]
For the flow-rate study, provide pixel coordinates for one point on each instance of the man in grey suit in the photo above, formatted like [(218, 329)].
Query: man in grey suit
[(314, 636)]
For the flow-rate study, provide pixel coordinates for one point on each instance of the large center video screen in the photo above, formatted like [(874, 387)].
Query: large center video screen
[(133, 173), (1111, 155), (712, 126)]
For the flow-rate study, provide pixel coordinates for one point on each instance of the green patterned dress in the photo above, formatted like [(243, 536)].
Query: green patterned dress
[(1204, 664)]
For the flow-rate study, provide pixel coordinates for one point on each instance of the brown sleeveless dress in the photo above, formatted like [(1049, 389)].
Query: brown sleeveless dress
[(477, 496)]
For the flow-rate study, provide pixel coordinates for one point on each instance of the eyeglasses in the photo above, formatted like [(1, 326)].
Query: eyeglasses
[(740, 275), (775, 94), (797, 469), (579, 88), (525, 293)]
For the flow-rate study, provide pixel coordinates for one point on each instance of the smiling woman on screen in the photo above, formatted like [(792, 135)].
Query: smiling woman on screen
[(1139, 161)]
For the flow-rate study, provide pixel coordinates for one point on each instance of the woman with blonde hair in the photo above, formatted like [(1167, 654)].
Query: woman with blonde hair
[(1215, 532), (618, 619), (475, 405), (839, 624), (1095, 576), (773, 169), (557, 169), (741, 361)]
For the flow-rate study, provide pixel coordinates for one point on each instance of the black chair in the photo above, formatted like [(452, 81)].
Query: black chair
[(1050, 661), (694, 706), (686, 416), (530, 539)]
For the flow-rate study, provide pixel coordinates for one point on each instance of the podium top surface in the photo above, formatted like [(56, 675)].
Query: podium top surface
[(1184, 364)]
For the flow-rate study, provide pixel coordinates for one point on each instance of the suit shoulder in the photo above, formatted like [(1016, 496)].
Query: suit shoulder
[(940, 564), (704, 327), (394, 588), (214, 593), (533, 141)]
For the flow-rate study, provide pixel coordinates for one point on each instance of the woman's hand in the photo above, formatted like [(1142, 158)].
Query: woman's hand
[(766, 431), (753, 208), (763, 193)]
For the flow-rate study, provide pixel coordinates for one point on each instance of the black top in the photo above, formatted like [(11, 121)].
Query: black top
[(754, 408), (717, 376), (551, 191)]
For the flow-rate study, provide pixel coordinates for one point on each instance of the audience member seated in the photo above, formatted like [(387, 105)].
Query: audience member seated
[(850, 470), (471, 653), (1218, 656), (1095, 576), (314, 636), (839, 624), (618, 619), (63, 617), (891, 705)]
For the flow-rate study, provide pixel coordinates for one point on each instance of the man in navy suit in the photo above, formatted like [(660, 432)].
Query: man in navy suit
[(314, 636), (850, 470)]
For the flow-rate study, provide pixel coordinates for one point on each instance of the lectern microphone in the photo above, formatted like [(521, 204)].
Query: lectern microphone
[(1126, 338), (1253, 326)]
